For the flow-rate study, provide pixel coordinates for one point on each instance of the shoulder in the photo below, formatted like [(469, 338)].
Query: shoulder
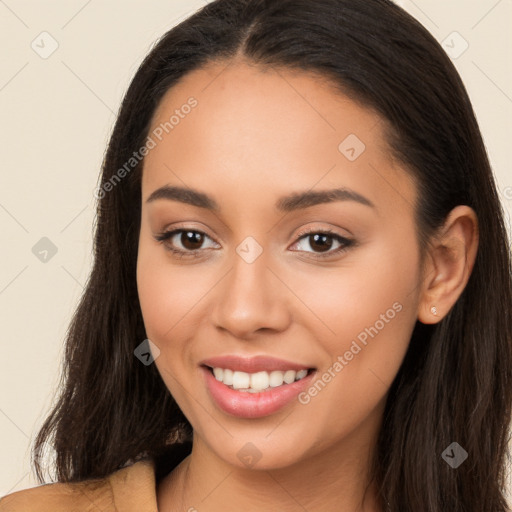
[(129, 489)]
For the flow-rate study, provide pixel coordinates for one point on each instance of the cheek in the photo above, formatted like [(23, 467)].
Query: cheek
[(155, 295), (369, 288), (165, 291), (166, 298), (173, 302), (370, 318)]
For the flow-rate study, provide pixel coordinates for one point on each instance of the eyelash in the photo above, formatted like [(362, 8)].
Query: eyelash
[(346, 243)]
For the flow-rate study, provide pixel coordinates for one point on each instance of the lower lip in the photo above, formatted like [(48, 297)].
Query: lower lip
[(253, 405)]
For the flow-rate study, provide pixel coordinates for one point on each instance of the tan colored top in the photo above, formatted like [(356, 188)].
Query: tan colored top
[(131, 489)]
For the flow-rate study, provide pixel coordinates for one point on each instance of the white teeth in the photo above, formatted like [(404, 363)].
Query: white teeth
[(227, 377), (276, 379), (259, 381), (241, 380), (256, 382), (301, 374), (289, 376)]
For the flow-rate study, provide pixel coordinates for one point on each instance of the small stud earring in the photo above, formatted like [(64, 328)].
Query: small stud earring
[(433, 310)]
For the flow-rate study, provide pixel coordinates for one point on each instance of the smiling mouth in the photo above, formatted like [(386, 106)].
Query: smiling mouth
[(257, 382)]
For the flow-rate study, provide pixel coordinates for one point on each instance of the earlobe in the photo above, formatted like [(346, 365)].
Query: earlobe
[(451, 258)]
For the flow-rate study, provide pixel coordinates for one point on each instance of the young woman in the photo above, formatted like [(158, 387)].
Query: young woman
[(301, 294)]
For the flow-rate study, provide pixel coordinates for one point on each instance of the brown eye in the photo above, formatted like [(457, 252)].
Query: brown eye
[(320, 242), (186, 242), (191, 240), (323, 244)]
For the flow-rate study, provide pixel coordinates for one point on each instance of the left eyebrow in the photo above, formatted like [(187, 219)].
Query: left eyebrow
[(289, 203), (300, 200)]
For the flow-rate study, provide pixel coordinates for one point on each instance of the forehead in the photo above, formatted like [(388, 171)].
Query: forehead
[(254, 127)]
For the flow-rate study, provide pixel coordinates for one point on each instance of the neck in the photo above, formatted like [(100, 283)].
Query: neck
[(336, 479)]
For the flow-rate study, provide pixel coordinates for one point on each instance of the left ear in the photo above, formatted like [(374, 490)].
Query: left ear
[(448, 264)]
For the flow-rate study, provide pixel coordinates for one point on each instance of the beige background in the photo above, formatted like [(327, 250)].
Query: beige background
[(56, 116)]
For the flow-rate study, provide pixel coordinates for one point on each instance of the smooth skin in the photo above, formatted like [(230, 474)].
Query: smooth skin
[(255, 136)]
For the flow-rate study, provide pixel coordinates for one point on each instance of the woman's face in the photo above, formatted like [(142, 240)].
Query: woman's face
[(282, 267)]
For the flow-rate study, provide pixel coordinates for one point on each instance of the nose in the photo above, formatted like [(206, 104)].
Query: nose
[(251, 300)]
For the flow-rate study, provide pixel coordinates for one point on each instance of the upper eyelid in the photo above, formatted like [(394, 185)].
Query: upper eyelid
[(178, 228), (311, 231)]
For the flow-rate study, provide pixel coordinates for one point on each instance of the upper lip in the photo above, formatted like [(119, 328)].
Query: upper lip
[(253, 364)]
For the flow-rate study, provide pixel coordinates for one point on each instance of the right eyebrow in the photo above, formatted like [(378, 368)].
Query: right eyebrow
[(185, 195)]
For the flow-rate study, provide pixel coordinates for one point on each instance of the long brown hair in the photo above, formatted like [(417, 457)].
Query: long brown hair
[(455, 383)]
